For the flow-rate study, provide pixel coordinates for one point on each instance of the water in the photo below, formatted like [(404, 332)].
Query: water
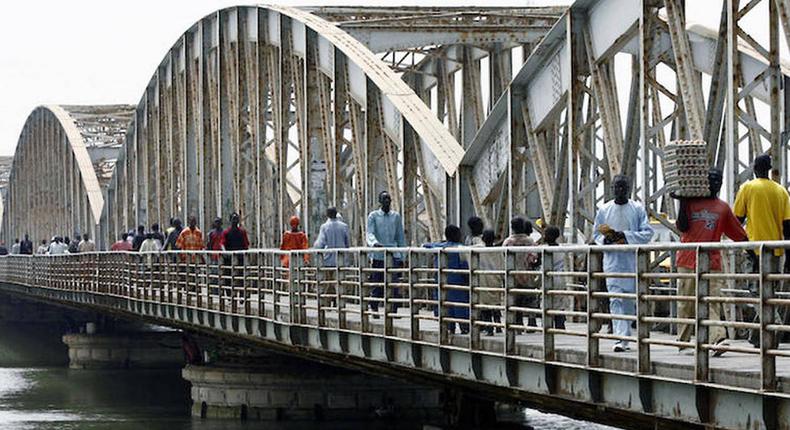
[(46, 395)]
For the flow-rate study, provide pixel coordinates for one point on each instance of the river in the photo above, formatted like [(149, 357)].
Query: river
[(39, 392)]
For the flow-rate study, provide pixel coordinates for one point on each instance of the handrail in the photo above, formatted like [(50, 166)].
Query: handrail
[(446, 297)]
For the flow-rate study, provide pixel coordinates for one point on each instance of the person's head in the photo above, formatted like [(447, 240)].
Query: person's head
[(85, 236), (489, 237), (43, 241), (58, 239), (475, 225), (155, 227), (16, 240), (385, 200), (172, 222), (217, 224), (294, 223), (452, 233), (192, 222), (141, 229), (331, 212), (27, 237), (177, 223), (67, 240), (715, 179), (124, 236), (551, 234), (234, 219), (621, 188), (762, 165), (520, 225)]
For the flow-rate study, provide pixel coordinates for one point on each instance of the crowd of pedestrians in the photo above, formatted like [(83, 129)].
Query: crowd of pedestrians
[(762, 204)]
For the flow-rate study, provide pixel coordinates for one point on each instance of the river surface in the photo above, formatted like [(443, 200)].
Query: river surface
[(39, 392)]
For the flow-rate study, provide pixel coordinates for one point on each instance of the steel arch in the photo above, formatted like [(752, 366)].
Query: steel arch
[(251, 105), (53, 185)]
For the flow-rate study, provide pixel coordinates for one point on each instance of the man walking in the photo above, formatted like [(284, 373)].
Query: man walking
[(384, 229), (26, 247), (765, 207), (87, 245), (333, 234), (621, 221), (704, 219)]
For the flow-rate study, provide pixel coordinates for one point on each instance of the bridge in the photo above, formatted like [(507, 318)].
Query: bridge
[(273, 111)]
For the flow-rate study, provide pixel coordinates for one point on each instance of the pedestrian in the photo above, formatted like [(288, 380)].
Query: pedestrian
[(765, 207), (476, 227), (150, 244), (15, 248), (58, 247), (491, 285), (455, 261), (384, 229), (173, 235), (74, 244), (190, 238), (157, 234), (621, 221), (139, 238), (704, 219), (559, 302), (520, 231), (43, 248), (87, 245), (3, 249), (234, 238), (122, 244), (26, 246), (333, 234), (293, 240), (215, 239)]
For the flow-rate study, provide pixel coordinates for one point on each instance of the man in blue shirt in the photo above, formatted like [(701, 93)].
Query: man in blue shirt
[(621, 221), (385, 229), (455, 260), (332, 235)]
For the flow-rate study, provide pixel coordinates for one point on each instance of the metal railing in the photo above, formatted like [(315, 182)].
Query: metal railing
[(450, 298)]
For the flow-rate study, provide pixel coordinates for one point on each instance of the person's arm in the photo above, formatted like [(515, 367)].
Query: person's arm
[(320, 243), (739, 207), (598, 237), (372, 240), (399, 236), (682, 223), (643, 232)]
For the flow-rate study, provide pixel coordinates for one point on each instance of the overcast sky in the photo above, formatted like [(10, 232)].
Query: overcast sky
[(104, 52)]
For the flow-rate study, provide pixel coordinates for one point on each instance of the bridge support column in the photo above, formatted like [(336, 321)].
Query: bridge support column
[(284, 389), (137, 350)]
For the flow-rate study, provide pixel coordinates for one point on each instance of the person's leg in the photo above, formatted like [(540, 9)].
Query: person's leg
[(620, 306), (376, 277), (716, 333), (686, 309)]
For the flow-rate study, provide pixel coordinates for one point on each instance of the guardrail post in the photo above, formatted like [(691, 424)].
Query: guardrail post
[(768, 264), (701, 368), (509, 347), (319, 286), (642, 310), (386, 294), (414, 322), (362, 262), (474, 300), (441, 297), (546, 285), (594, 265)]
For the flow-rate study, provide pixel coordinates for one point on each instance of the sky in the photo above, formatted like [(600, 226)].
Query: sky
[(104, 52)]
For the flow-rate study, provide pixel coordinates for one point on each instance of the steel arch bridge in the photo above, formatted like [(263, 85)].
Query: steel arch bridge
[(272, 111)]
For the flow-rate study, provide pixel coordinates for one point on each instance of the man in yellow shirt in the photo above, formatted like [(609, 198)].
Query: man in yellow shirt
[(765, 206)]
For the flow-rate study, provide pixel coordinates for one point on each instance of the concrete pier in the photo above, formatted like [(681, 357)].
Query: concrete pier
[(137, 350), (280, 389)]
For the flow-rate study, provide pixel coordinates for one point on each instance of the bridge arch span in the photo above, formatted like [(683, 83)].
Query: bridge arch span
[(272, 111), (60, 165)]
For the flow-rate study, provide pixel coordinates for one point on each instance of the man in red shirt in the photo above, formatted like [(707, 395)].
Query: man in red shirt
[(705, 219)]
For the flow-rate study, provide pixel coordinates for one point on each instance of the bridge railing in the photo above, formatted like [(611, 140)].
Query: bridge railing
[(546, 304)]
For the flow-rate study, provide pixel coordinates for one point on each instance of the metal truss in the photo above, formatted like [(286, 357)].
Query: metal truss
[(60, 169), (553, 142), (273, 111)]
